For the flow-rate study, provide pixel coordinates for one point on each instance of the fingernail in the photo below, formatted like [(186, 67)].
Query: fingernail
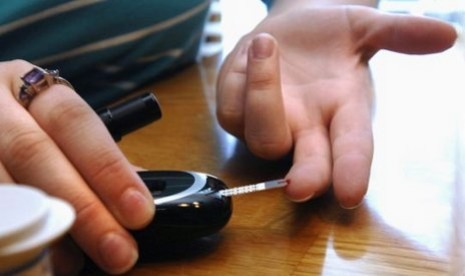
[(137, 210), (351, 207), (262, 47), (304, 199), (117, 253)]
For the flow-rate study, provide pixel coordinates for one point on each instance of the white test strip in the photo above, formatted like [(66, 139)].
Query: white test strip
[(263, 186)]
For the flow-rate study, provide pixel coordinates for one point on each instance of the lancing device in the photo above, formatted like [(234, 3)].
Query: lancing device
[(130, 115), (189, 205)]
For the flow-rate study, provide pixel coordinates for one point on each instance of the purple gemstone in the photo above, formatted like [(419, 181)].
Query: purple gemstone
[(34, 76), (23, 95)]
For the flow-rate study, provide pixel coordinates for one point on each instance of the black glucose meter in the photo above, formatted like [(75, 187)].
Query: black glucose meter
[(188, 204)]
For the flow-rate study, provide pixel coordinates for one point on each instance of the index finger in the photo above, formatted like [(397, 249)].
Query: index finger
[(85, 141)]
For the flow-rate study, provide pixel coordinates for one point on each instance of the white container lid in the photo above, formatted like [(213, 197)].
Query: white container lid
[(30, 220), (20, 209)]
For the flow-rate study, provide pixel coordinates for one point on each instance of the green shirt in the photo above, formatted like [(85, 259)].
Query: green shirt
[(105, 48)]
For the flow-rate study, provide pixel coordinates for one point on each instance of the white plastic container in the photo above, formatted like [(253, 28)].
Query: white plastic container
[(30, 221)]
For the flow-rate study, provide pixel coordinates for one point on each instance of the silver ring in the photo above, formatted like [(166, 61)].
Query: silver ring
[(36, 81)]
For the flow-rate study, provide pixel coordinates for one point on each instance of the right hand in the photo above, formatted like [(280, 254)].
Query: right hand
[(300, 83), (61, 146)]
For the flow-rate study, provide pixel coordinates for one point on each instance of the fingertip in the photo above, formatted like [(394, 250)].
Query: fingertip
[(351, 175), (301, 197), (445, 34), (306, 181), (418, 35), (263, 46), (263, 64), (137, 209), (351, 206), (104, 240), (117, 253)]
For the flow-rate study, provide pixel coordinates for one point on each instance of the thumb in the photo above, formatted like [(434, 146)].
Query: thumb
[(404, 33), (266, 130)]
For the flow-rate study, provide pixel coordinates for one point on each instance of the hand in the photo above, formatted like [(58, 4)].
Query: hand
[(61, 146), (314, 94)]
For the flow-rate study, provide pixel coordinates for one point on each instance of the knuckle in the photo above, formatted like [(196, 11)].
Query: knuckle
[(267, 148), (261, 80), (67, 111), (25, 146), (87, 212), (108, 163), (13, 67), (9, 71), (21, 63), (18, 63)]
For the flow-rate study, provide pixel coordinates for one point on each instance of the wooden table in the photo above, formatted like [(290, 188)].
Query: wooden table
[(411, 222)]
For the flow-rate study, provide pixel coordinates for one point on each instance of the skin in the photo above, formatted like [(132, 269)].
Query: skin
[(52, 145), (299, 83)]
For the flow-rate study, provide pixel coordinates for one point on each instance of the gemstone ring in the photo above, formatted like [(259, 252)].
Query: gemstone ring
[(36, 81)]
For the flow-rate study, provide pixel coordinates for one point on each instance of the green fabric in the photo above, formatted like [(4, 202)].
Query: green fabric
[(104, 48)]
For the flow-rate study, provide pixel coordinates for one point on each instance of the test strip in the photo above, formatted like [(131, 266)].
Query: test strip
[(263, 186)]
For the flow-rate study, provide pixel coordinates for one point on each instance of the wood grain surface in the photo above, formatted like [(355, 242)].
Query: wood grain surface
[(410, 223)]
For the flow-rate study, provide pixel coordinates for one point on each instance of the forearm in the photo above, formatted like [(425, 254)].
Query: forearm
[(283, 5)]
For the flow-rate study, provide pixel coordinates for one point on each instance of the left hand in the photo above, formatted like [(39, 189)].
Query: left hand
[(60, 145), (314, 94)]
